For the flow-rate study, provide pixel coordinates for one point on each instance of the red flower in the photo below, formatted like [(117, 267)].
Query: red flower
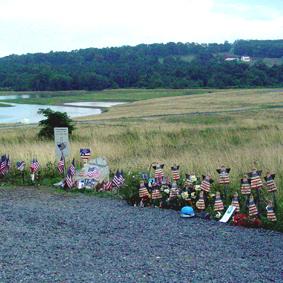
[(241, 219)]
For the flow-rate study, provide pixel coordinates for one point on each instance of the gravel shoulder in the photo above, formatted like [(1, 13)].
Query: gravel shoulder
[(49, 237)]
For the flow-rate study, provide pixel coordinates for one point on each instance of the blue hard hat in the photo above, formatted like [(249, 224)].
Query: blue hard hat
[(187, 211)]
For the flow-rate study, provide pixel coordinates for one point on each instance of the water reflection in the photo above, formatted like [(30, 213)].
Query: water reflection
[(17, 96), (27, 113)]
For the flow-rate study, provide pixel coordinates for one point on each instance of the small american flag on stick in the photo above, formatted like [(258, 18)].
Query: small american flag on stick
[(21, 165), (107, 186), (34, 166), (72, 168), (118, 179), (4, 164), (61, 164), (69, 178)]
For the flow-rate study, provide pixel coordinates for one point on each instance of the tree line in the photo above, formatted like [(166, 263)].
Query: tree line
[(171, 65)]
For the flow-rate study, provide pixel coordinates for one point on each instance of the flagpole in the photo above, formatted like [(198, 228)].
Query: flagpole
[(64, 171), (23, 177)]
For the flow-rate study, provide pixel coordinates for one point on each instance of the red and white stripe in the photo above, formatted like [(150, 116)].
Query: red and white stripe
[(205, 186), (245, 189), (271, 216), (34, 167), (107, 186), (224, 179), (256, 182), (143, 192), (158, 173), (93, 173), (156, 194), (175, 173), (200, 204), (235, 203), (69, 181), (252, 208), (218, 204), (61, 165), (271, 186)]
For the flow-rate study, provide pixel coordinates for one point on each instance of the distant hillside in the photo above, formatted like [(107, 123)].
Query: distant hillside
[(171, 65)]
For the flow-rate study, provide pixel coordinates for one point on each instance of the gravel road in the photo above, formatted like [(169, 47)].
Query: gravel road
[(49, 237)]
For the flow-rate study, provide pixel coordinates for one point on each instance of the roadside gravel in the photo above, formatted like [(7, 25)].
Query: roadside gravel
[(49, 237)]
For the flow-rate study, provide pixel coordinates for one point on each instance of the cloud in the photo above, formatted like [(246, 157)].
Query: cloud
[(41, 26)]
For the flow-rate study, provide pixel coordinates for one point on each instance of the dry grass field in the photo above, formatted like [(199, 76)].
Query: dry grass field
[(238, 128), (199, 132)]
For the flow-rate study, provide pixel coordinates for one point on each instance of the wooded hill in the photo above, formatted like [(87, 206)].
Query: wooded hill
[(171, 65)]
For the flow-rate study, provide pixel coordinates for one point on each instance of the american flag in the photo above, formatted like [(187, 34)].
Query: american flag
[(72, 168), (4, 164), (61, 164), (107, 186), (93, 172), (21, 165), (175, 172), (69, 178), (158, 171), (61, 146), (34, 166), (118, 179)]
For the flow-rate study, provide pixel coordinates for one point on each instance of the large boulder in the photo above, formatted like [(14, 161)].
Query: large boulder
[(95, 172)]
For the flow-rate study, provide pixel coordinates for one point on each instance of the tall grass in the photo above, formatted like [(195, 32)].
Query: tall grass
[(201, 133)]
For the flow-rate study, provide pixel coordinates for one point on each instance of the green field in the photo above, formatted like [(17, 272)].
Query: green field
[(128, 95)]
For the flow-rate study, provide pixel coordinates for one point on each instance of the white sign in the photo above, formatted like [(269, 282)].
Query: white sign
[(229, 212), (62, 146)]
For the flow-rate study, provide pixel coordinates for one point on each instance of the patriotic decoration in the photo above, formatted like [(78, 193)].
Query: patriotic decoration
[(270, 183), (223, 175), (34, 166), (245, 186), (218, 204), (252, 207), (143, 192), (270, 212), (4, 164), (20, 165), (72, 167), (61, 164), (191, 179), (69, 178), (93, 172), (85, 154), (200, 204), (158, 171), (206, 183), (175, 172), (235, 202), (107, 186), (61, 146), (174, 191), (156, 194), (118, 179), (256, 182)]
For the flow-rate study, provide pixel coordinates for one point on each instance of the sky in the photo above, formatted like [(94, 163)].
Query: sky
[(31, 26)]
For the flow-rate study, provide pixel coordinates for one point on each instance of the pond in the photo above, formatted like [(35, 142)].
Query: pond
[(27, 113)]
